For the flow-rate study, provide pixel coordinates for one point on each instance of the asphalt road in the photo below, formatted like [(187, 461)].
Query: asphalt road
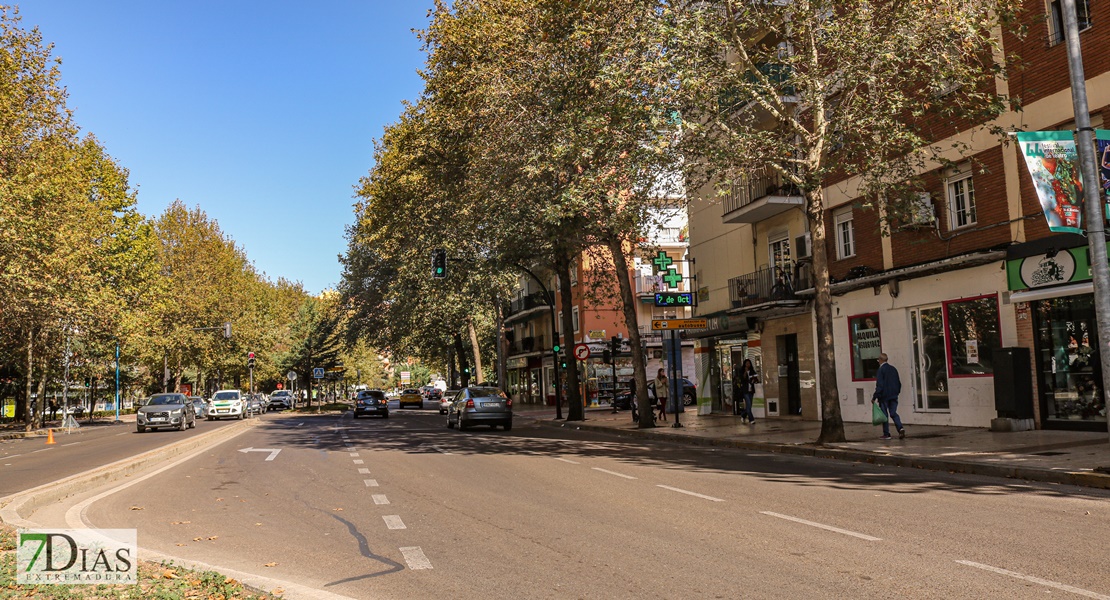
[(29, 462), (405, 508)]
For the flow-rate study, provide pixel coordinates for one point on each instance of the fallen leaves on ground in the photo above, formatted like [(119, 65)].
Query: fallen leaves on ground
[(337, 509), (180, 522), (169, 575), (270, 564), (136, 508)]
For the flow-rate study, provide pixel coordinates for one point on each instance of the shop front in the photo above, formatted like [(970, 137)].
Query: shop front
[(1054, 300), (721, 350)]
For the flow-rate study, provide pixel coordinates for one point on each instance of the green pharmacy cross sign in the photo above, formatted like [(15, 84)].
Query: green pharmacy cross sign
[(662, 261), (672, 278), (663, 264)]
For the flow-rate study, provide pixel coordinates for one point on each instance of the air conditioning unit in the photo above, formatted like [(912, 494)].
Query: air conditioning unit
[(803, 246), (922, 213)]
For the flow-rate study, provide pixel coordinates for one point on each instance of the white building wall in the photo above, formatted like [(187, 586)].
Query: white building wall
[(971, 399)]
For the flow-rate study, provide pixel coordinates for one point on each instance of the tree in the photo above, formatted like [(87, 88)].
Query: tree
[(823, 90), (317, 339)]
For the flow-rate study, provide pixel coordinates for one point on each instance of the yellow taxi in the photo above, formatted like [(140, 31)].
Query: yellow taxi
[(411, 398)]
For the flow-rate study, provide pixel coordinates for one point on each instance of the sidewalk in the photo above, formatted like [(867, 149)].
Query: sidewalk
[(10, 431), (1066, 457)]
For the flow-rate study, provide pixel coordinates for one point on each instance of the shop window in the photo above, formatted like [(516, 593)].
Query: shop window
[(866, 341), (973, 336)]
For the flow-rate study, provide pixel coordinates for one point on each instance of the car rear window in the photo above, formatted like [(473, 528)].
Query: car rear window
[(375, 395), (486, 392)]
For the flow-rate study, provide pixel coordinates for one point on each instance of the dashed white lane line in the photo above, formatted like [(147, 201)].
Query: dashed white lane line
[(567, 460), (379, 499), (415, 558), (40, 450), (689, 493), (1037, 580), (364, 471), (70, 444), (394, 522), (613, 473), (370, 482), (359, 461), (354, 455), (441, 450), (821, 526)]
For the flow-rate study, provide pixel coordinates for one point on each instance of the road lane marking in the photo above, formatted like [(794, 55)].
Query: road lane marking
[(69, 444), (354, 455), (359, 461), (1037, 580), (273, 452), (821, 526), (379, 499), (394, 522), (689, 493), (567, 460), (441, 450), (364, 471), (613, 473), (41, 450), (415, 558), (370, 482)]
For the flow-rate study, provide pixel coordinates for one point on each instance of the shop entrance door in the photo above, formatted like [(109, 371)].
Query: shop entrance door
[(930, 353), (789, 381)]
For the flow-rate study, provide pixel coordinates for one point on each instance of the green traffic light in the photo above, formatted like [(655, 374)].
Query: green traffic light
[(556, 348)]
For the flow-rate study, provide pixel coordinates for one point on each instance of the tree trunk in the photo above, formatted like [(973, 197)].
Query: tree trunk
[(28, 412), (177, 374), (832, 424), (502, 371), (477, 349), (460, 355), (40, 405), (575, 410), (628, 306)]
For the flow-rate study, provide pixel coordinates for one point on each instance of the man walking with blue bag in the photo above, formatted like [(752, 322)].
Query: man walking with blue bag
[(887, 388)]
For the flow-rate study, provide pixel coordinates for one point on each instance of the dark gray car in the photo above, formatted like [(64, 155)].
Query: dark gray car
[(481, 406), (166, 411)]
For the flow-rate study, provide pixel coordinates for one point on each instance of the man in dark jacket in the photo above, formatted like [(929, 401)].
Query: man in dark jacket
[(887, 388)]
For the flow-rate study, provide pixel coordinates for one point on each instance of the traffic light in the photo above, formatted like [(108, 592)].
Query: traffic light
[(563, 363), (250, 360), (615, 345), (466, 370), (439, 263), (606, 356), (555, 347)]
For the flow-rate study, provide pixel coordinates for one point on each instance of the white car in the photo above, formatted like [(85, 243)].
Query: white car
[(446, 399), (227, 404)]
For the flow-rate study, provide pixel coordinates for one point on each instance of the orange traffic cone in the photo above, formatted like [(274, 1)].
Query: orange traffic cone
[(50, 437)]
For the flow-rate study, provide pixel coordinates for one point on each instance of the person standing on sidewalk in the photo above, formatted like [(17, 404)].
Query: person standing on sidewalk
[(887, 388), (748, 379), (661, 393)]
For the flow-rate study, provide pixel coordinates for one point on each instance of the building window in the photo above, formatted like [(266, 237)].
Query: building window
[(961, 201), (845, 235), (574, 317), (866, 341), (779, 253), (559, 322), (1056, 19), (974, 334), (574, 276)]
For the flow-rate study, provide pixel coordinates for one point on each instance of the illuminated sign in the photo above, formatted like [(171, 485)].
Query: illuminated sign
[(674, 299)]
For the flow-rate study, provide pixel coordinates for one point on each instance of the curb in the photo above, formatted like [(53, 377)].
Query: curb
[(15, 508), (1088, 479)]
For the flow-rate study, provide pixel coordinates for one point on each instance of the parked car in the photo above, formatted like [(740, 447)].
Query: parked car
[(165, 411), (256, 405), (199, 406), (481, 406), (411, 397), (280, 400), (623, 399), (227, 403), (446, 399), (372, 402)]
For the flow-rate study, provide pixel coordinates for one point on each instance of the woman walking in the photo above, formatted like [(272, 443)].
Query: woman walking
[(748, 379), (661, 392)]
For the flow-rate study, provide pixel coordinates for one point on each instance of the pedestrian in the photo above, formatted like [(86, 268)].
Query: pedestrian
[(53, 410), (661, 393), (887, 388), (632, 401), (748, 379)]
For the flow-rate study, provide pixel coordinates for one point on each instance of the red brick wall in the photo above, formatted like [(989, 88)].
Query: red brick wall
[(869, 246), (1045, 69)]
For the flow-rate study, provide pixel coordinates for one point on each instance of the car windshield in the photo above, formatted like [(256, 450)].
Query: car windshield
[(485, 392), (226, 396), (168, 399), (279, 394), (372, 395)]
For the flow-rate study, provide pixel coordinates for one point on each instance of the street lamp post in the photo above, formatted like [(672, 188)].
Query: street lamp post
[(117, 381)]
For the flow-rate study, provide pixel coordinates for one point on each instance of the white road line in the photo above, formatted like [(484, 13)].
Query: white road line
[(69, 444), (359, 461), (379, 499), (41, 450), (821, 526), (370, 482), (689, 493), (415, 558), (124, 433), (364, 471), (613, 473), (567, 460), (1037, 580), (394, 522), (440, 450), (354, 455)]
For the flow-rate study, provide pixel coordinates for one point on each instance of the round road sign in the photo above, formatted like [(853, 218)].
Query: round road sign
[(291, 375), (581, 351)]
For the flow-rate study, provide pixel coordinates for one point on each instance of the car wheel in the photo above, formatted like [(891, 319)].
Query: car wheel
[(193, 423), (462, 426), (184, 424), (688, 400), (140, 429), (508, 426), (450, 424)]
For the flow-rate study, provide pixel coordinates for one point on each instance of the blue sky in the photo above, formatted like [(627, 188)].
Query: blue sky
[(262, 113)]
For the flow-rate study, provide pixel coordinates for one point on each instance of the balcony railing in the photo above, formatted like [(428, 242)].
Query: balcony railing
[(761, 185), (533, 300), (649, 284), (527, 344), (770, 285)]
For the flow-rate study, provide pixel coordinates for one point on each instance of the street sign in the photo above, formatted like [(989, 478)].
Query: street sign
[(668, 324), (674, 299), (318, 373), (581, 351), (597, 334), (291, 375)]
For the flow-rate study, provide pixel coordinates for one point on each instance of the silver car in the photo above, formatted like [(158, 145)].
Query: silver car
[(481, 406), (166, 411), (200, 406)]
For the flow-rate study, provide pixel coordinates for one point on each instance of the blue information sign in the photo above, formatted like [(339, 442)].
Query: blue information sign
[(318, 373), (674, 299)]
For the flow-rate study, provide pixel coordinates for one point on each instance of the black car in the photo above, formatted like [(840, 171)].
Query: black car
[(371, 402), (624, 400)]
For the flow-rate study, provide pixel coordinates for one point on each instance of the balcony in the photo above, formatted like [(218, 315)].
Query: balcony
[(527, 303), (770, 287), (761, 197), (526, 345), (646, 285)]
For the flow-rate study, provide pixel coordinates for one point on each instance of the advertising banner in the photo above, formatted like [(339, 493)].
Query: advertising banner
[(1102, 144), (1054, 166)]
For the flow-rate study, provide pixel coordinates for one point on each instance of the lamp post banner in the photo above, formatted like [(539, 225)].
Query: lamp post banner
[(1053, 164)]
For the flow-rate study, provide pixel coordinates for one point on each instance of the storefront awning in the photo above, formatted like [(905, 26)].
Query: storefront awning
[(1074, 289)]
